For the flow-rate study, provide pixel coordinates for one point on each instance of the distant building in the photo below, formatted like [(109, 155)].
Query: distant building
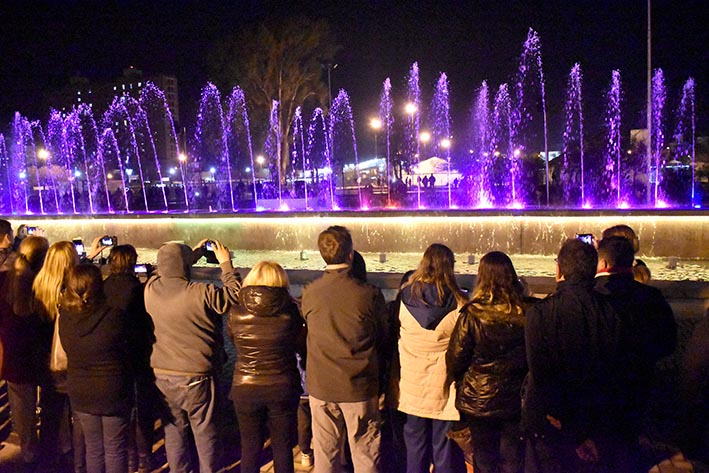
[(100, 94)]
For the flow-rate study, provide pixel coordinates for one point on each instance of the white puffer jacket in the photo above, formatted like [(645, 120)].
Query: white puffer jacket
[(423, 390)]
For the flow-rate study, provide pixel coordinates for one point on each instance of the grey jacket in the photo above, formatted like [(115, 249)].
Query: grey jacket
[(186, 314)]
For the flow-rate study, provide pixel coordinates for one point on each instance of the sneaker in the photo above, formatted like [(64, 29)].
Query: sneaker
[(306, 459)]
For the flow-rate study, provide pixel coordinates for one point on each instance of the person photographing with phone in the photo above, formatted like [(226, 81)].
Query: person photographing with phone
[(188, 351)]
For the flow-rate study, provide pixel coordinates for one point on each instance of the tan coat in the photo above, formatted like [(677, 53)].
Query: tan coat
[(423, 390)]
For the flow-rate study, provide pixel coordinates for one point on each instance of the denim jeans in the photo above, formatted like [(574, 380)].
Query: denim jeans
[(359, 422), (191, 401), (23, 409), (106, 440), (426, 443), (280, 417)]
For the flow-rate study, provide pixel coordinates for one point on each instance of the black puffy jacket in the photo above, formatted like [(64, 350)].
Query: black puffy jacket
[(267, 330), (486, 358)]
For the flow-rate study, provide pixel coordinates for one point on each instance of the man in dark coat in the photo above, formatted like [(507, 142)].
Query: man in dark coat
[(572, 348), (345, 319), (649, 331)]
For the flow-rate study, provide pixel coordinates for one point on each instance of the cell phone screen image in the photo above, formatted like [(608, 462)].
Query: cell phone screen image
[(585, 237), (209, 246), (107, 241), (31, 230), (80, 248), (141, 268)]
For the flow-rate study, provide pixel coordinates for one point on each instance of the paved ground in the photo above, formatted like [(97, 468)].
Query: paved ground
[(10, 450)]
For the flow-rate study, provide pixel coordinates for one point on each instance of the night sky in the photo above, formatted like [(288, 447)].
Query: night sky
[(43, 44)]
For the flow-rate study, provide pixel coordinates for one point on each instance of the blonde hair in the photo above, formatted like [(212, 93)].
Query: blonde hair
[(47, 286), (266, 273), (31, 255)]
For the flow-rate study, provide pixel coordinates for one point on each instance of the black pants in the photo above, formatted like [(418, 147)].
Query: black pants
[(305, 426), (273, 410), (497, 444)]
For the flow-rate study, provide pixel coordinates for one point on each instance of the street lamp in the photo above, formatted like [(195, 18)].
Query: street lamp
[(182, 158), (410, 108), (376, 125), (43, 154)]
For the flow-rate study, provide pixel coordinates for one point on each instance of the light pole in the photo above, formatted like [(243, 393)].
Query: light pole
[(649, 103), (43, 155), (182, 157), (329, 65), (376, 125), (446, 145), (410, 108)]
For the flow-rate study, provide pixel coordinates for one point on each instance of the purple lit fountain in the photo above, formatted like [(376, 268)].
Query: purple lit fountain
[(572, 174), (87, 161)]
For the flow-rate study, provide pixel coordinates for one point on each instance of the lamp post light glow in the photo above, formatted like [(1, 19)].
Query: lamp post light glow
[(376, 125), (43, 154), (425, 137), (410, 108), (182, 158)]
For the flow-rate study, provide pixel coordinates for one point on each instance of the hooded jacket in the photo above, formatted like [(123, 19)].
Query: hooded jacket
[(267, 330), (426, 324), (99, 378), (187, 314), (486, 358)]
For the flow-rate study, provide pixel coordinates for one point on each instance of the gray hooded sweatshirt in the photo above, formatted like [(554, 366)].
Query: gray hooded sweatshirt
[(186, 314)]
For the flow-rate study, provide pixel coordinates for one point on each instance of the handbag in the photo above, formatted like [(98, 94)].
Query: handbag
[(58, 360)]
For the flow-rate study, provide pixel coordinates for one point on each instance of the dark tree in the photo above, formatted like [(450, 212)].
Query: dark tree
[(277, 61)]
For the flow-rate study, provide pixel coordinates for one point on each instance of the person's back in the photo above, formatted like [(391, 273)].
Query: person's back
[(572, 341), (345, 319), (99, 378), (267, 330), (649, 330), (99, 364), (188, 350), (186, 314), (342, 313), (265, 327)]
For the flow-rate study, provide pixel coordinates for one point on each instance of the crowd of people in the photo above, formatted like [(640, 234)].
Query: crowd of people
[(487, 379)]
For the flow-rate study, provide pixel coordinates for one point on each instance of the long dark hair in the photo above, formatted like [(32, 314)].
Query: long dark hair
[(30, 258), (122, 259), (436, 267), (83, 288), (497, 282)]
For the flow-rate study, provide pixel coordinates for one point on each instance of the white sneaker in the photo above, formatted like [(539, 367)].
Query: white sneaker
[(306, 459)]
